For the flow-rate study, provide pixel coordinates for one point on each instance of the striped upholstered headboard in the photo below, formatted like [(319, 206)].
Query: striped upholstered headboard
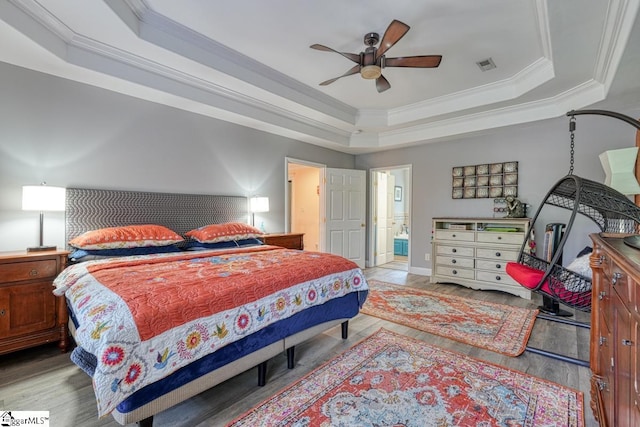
[(89, 209)]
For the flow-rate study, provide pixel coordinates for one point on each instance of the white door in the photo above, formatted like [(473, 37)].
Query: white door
[(345, 212), (389, 217), (384, 217), (380, 218)]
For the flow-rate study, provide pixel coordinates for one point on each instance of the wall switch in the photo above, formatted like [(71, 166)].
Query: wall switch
[(427, 257)]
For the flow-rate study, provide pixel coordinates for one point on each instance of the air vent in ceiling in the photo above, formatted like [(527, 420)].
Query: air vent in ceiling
[(486, 64)]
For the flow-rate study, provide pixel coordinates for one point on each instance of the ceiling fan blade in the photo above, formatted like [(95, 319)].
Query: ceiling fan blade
[(423, 61), (352, 56), (382, 84), (354, 70), (394, 32)]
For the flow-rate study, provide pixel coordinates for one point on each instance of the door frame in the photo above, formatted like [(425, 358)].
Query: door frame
[(287, 201), (373, 210)]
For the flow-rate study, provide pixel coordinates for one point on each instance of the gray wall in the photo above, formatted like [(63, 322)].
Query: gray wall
[(542, 151), (74, 135)]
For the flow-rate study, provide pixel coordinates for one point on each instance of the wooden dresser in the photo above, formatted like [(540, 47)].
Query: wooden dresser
[(286, 240), (29, 312), (615, 332), (474, 252)]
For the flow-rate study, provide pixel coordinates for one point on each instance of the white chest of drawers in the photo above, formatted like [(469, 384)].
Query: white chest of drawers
[(473, 252)]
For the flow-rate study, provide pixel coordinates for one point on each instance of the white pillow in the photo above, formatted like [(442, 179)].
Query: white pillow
[(581, 266)]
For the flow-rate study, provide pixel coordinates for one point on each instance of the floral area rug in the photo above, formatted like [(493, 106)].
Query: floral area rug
[(497, 327), (394, 380)]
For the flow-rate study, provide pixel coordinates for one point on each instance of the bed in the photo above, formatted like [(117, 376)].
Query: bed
[(154, 329)]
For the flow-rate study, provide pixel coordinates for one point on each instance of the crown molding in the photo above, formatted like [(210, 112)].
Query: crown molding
[(309, 115), (173, 36), (621, 15)]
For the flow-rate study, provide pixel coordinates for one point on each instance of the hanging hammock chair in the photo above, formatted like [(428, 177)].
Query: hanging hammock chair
[(612, 212), (609, 209)]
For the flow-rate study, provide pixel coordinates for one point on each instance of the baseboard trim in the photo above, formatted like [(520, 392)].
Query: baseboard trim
[(420, 271)]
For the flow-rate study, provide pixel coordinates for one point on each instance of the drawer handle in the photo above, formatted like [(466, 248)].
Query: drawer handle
[(498, 278), (616, 277), (499, 237), (602, 340), (33, 273), (627, 342), (453, 261), (601, 385), (601, 295), (498, 266), (455, 271), (454, 250), (453, 235), (498, 254), (2, 312)]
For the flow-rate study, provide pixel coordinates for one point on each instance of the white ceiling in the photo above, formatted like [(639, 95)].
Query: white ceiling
[(249, 61)]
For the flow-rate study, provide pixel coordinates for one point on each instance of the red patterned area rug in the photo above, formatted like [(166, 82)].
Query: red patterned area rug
[(394, 380), (497, 327)]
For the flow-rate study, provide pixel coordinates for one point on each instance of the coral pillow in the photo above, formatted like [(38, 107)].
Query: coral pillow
[(132, 236), (528, 277), (224, 232)]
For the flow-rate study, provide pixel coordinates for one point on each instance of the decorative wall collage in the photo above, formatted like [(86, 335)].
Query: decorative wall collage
[(492, 180)]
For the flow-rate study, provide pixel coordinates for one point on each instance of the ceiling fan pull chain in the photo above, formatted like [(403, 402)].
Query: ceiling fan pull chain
[(572, 130)]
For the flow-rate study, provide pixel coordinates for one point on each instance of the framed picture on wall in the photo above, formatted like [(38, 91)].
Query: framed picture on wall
[(397, 193)]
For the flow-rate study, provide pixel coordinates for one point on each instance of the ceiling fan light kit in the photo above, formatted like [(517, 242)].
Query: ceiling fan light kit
[(372, 60), (370, 72)]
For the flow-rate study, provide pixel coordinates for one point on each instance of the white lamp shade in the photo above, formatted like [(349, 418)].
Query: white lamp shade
[(43, 198), (619, 167), (259, 204)]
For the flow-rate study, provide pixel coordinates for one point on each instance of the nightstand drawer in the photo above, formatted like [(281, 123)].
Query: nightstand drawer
[(28, 270)]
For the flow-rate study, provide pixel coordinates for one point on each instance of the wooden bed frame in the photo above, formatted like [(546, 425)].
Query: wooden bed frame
[(89, 209)]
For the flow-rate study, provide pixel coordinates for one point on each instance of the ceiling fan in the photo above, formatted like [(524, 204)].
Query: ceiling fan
[(371, 62)]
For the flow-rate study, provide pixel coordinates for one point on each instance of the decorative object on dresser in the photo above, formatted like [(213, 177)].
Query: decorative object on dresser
[(286, 240), (615, 332), (42, 198), (30, 314), (473, 252)]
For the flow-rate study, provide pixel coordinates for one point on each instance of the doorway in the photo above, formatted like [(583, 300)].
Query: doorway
[(303, 202), (390, 234), (327, 205)]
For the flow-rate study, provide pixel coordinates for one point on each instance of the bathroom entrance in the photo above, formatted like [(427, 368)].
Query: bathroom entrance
[(390, 215)]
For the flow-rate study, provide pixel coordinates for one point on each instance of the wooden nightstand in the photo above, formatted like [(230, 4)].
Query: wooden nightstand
[(30, 314), (286, 240)]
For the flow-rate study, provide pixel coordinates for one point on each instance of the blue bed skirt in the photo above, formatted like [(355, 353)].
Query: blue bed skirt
[(347, 306)]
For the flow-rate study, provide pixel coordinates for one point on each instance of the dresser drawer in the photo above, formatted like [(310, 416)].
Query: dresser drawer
[(453, 272), (498, 265), (454, 250), (456, 261), (497, 254), (461, 235), (28, 270), (621, 284), (506, 238), (497, 277)]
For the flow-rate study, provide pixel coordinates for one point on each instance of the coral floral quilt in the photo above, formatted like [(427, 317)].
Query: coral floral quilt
[(144, 317)]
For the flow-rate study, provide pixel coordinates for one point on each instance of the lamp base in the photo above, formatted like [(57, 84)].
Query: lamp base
[(41, 248)]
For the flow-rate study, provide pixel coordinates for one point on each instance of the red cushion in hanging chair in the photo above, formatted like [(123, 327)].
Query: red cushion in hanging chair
[(528, 277)]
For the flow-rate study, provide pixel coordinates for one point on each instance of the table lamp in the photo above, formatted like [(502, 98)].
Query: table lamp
[(42, 198)]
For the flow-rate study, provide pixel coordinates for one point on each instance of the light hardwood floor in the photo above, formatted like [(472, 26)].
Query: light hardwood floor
[(43, 379)]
